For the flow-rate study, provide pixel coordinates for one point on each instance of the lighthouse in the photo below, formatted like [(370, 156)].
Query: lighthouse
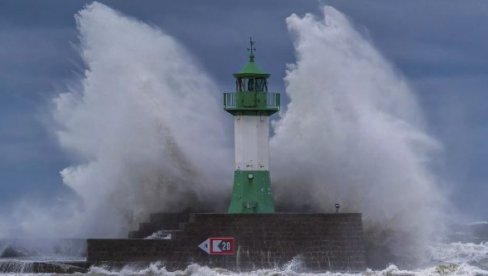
[(324, 242), (251, 105)]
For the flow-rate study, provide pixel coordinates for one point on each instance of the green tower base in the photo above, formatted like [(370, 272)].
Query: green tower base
[(251, 193)]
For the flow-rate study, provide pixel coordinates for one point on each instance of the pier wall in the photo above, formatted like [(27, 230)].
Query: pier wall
[(319, 241)]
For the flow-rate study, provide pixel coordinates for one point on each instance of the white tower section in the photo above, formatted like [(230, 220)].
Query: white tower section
[(251, 134)]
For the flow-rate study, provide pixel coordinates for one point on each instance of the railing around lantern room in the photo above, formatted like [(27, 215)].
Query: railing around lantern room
[(252, 101)]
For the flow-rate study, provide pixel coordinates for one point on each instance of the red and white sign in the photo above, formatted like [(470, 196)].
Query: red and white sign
[(218, 246)]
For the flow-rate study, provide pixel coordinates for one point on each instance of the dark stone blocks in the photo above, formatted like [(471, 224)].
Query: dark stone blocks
[(321, 241)]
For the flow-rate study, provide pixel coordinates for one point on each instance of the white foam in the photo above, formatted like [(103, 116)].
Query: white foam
[(197, 270), (458, 252), (159, 235)]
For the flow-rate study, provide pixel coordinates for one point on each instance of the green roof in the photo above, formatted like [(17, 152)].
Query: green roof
[(251, 69)]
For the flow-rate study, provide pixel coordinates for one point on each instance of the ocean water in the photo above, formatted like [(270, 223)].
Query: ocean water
[(445, 259), (456, 258)]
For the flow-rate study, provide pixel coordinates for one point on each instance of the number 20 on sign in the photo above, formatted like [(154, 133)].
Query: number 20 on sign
[(218, 246)]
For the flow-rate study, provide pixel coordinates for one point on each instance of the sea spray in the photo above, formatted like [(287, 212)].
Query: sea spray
[(146, 124), (145, 130), (353, 134)]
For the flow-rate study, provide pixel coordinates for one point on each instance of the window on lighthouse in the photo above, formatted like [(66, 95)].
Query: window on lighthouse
[(250, 85), (240, 86), (261, 85)]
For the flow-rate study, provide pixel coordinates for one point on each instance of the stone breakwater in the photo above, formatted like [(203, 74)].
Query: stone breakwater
[(322, 242)]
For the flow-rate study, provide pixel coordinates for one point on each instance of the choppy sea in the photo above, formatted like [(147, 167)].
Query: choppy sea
[(456, 258)]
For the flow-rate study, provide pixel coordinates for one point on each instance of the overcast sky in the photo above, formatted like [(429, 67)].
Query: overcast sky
[(439, 46)]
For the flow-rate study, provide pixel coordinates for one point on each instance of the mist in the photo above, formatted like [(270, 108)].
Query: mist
[(354, 134), (145, 125), (146, 132)]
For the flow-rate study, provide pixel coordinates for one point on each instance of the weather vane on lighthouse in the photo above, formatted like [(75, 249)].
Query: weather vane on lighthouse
[(251, 105), (251, 49)]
